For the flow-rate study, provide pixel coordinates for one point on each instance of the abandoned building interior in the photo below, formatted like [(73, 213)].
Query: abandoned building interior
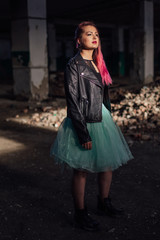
[(37, 39)]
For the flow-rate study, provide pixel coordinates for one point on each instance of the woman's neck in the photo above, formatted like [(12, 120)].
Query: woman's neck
[(87, 54)]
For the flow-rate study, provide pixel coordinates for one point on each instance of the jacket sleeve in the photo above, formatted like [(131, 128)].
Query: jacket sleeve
[(106, 99), (72, 97)]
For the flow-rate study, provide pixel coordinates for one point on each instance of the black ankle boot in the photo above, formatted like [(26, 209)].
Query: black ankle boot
[(105, 207), (84, 221)]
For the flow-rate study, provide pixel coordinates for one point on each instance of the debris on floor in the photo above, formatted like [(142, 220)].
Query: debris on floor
[(138, 114)]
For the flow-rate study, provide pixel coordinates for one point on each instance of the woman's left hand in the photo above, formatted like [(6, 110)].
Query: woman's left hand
[(87, 145)]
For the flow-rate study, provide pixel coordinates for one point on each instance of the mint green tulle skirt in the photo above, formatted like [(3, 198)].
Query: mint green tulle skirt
[(109, 147)]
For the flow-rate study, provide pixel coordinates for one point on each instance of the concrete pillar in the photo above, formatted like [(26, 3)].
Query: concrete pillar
[(5, 60), (121, 61), (144, 44), (131, 54), (148, 42), (157, 53), (29, 49), (52, 47), (115, 54)]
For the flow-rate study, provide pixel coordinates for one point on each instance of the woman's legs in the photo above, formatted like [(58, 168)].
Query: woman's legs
[(104, 183), (78, 191), (78, 188), (104, 202), (79, 183)]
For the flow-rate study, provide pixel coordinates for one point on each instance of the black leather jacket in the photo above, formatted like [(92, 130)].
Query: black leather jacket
[(84, 94)]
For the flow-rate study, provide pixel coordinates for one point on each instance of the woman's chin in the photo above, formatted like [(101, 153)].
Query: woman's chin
[(90, 48)]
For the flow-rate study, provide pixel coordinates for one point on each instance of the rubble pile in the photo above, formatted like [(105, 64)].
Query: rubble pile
[(49, 117), (139, 113)]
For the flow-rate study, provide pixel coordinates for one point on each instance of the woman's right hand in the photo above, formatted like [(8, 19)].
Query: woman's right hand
[(87, 145)]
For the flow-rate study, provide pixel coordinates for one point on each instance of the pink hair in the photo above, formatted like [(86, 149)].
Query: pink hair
[(97, 54)]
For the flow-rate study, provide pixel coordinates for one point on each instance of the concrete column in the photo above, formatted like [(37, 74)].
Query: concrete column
[(131, 54), (52, 47), (29, 50), (115, 53), (157, 53), (148, 42), (144, 44), (5, 60), (121, 52)]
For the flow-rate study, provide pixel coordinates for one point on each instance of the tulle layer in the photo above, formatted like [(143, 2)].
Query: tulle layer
[(109, 147)]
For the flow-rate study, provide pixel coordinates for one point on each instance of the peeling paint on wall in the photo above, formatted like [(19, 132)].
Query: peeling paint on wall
[(37, 76), (148, 79), (39, 83)]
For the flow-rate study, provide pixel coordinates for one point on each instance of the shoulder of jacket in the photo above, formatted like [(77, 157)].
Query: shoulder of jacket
[(77, 59), (72, 63)]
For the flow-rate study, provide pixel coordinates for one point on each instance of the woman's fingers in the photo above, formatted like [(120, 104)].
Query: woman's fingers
[(87, 145)]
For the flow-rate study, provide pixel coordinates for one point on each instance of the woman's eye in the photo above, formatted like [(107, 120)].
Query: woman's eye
[(89, 34)]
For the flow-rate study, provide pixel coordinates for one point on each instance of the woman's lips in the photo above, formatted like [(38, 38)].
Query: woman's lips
[(94, 42)]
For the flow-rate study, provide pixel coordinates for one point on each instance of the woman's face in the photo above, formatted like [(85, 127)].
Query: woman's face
[(89, 38)]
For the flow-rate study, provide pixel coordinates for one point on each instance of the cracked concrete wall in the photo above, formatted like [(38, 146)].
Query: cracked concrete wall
[(29, 52), (38, 43), (38, 58), (39, 83)]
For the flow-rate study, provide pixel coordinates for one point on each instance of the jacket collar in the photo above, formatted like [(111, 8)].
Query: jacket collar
[(86, 71)]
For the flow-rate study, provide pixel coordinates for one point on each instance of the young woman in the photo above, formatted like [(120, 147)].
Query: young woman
[(88, 140)]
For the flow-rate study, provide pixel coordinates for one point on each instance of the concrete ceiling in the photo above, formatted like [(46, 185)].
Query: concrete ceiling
[(102, 11), (123, 12)]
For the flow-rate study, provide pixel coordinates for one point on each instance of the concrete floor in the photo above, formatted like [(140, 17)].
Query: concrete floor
[(36, 203)]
